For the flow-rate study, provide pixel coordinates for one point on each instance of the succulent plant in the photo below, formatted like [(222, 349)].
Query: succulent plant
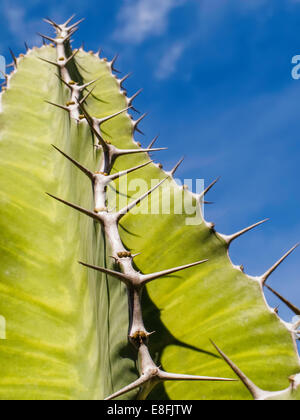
[(86, 331)]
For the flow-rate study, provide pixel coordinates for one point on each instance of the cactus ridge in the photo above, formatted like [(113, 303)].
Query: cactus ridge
[(150, 373)]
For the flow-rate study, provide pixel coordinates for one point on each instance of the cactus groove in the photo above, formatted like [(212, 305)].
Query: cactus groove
[(86, 331)]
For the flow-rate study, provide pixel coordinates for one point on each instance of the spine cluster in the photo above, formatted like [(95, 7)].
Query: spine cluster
[(150, 373)]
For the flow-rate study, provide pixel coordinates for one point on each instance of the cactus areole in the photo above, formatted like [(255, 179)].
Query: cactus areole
[(84, 318)]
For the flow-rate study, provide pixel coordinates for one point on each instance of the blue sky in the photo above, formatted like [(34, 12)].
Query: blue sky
[(218, 88)]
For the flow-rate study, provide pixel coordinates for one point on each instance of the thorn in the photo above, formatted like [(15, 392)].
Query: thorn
[(47, 37), (127, 209), (13, 57), (49, 62), (67, 38), (203, 194), (63, 81), (153, 142), (265, 277), (121, 81), (136, 255), (72, 56), (137, 384), (173, 171), (128, 171), (86, 96), (230, 238), (121, 152), (52, 23), (116, 274), (80, 209), (113, 62), (76, 24), (69, 20), (289, 304), (150, 277), (105, 119), (137, 122), (254, 390), (26, 46), (165, 376), (59, 106), (130, 100), (90, 122), (89, 83), (79, 166)]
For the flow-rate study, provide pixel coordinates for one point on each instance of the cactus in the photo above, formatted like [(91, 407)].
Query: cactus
[(100, 329)]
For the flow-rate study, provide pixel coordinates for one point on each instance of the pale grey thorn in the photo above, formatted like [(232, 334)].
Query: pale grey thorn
[(203, 194), (79, 166), (230, 238), (128, 208), (265, 276), (89, 93), (93, 215), (130, 100), (128, 171), (153, 142), (288, 304), (65, 108), (120, 276), (146, 278), (257, 393), (174, 170)]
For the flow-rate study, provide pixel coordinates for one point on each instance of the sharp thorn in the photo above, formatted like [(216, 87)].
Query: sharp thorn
[(105, 119), (203, 194), (113, 62), (165, 376), (254, 390), (48, 38), (72, 56), (128, 171), (90, 83), (90, 122), (86, 96), (230, 238), (137, 122), (130, 100), (13, 57), (121, 152), (49, 62), (153, 142), (121, 81), (69, 20), (173, 171), (150, 277), (137, 384), (127, 209), (79, 166), (265, 277), (63, 81), (58, 106), (76, 24), (52, 23), (289, 304), (78, 208), (116, 274)]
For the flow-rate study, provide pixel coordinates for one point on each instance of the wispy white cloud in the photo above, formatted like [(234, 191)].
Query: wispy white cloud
[(140, 19), (168, 63)]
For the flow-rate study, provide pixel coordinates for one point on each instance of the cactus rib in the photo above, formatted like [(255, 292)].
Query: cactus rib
[(133, 280)]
